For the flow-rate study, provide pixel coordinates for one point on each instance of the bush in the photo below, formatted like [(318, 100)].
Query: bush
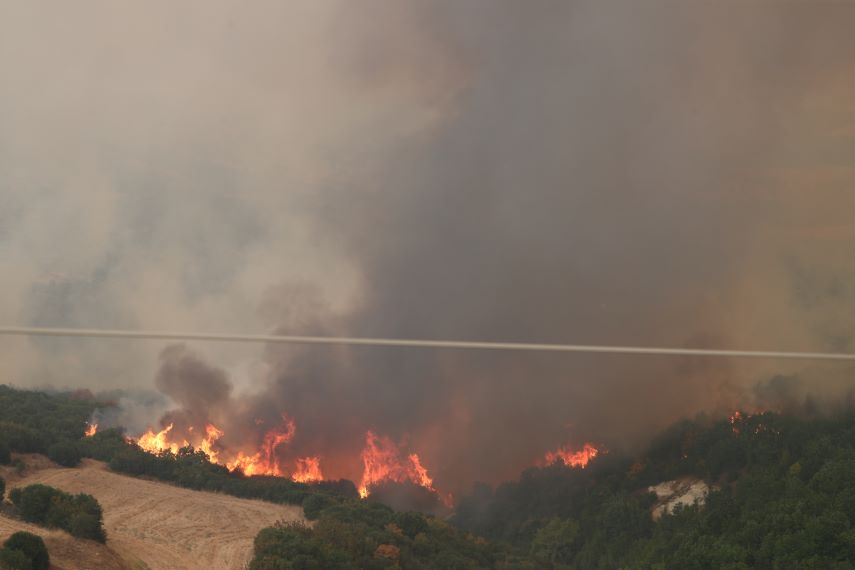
[(80, 515), (5, 453), (2, 488), (314, 504), (14, 560), (65, 453), (33, 548)]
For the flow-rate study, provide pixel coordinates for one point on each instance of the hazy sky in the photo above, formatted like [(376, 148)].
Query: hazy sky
[(652, 173)]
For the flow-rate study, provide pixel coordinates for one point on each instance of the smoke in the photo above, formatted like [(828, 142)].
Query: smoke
[(673, 173)]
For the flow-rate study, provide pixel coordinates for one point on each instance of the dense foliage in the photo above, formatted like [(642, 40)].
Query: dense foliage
[(24, 551), (79, 515), (65, 453), (190, 468), (784, 498), (356, 534), (30, 422)]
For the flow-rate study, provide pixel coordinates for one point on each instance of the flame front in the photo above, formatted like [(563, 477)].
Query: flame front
[(308, 470), (91, 430), (266, 460), (159, 442), (207, 444), (382, 462), (572, 458)]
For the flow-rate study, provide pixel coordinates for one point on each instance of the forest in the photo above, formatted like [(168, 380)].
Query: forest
[(782, 496)]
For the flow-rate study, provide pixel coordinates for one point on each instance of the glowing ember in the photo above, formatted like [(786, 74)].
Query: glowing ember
[(572, 458), (91, 430), (381, 462), (308, 470), (159, 442)]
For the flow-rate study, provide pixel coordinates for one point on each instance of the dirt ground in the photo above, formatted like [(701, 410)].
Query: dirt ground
[(151, 525)]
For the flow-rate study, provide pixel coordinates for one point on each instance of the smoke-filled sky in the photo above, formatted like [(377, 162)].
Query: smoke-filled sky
[(650, 173)]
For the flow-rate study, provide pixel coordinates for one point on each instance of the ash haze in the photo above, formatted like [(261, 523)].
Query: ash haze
[(638, 173)]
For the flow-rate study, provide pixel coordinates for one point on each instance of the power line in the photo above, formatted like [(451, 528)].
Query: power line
[(421, 343)]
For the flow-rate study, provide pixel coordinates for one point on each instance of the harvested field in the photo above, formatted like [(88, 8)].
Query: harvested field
[(158, 526)]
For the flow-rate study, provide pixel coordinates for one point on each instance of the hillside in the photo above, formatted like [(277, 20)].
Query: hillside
[(151, 523), (67, 552)]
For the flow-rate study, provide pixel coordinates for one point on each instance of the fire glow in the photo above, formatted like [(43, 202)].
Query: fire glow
[(571, 458), (91, 430), (381, 461)]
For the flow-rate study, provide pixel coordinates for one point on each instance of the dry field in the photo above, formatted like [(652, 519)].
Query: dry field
[(151, 525)]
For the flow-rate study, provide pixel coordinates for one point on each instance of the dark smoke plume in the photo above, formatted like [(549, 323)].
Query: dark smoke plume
[(662, 173), (601, 173)]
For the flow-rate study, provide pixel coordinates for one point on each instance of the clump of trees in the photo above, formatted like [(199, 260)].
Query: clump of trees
[(24, 551), (31, 422), (784, 498), (80, 515), (360, 534), (65, 453)]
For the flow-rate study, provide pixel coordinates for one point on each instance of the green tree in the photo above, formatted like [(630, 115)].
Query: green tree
[(32, 546), (5, 453), (14, 560), (555, 544), (65, 453)]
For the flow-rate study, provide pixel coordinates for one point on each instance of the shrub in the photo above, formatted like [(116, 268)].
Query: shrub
[(14, 560), (33, 548), (2, 488), (80, 515), (5, 453), (65, 453), (314, 504)]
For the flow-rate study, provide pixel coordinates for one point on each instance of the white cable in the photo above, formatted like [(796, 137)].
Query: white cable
[(452, 344)]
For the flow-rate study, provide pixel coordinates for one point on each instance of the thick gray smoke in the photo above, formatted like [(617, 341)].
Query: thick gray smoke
[(659, 173)]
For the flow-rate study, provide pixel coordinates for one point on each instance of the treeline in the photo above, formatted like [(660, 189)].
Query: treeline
[(191, 468), (784, 497), (37, 422)]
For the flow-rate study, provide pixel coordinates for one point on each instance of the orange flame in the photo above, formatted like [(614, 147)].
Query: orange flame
[(381, 462), (159, 442), (572, 458), (91, 430), (266, 461), (207, 445), (308, 470)]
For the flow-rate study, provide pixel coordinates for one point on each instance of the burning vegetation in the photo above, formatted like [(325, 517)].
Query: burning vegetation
[(383, 461), (571, 458)]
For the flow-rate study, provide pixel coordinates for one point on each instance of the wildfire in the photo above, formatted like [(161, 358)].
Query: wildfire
[(382, 462), (308, 470), (207, 445), (266, 461), (159, 442), (381, 458), (91, 430), (735, 421), (572, 458)]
